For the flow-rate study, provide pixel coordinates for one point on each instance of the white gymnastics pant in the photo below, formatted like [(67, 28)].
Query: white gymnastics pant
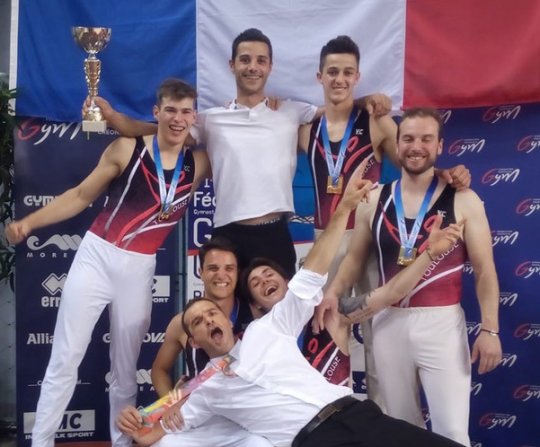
[(101, 275)]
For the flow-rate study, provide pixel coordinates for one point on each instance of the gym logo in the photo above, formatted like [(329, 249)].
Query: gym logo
[(508, 360), (504, 175), (445, 115), (527, 331), (504, 237), (468, 268), (508, 298), (492, 420), (529, 144), (29, 130), (527, 269), (473, 145), (476, 387), (498, 113), (528, 206), (473, 328), (527, 392)]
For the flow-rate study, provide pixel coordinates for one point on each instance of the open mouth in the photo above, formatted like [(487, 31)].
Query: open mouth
[(216, 334), (270, 290)]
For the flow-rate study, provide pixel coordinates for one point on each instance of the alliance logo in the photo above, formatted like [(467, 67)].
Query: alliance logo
[(459, 147), (504, 175), (504, 237), (529, 144), (527, 269), (498, 113), (64, 242), (39, 338), (528, 206), (508, 298), (527, 331), (527, 392), (492, 420)]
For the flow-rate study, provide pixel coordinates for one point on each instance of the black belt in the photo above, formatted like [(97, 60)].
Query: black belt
[(323, 415)]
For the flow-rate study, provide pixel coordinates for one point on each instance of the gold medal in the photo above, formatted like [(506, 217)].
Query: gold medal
[(406, 256), (163, 215), (332, 188)]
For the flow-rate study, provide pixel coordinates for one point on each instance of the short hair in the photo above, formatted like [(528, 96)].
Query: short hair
[(217, 243), (339, 45), (423, 112), (251, 35), (176, 89), (259, 262), (190, 304)]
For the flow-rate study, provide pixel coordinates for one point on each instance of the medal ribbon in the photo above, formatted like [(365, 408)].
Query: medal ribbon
[(167, 196), (334, 171), (407, 242)]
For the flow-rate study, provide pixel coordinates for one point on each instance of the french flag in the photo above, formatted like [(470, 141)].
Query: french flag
[(454, 54)]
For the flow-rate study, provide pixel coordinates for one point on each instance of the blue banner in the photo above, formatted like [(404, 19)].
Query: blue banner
[(150, 41)]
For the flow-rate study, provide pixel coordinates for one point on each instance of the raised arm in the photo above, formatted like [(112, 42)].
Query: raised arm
[(477, 237), (170, 349), (111, 164), (325, 247), (127, 126)]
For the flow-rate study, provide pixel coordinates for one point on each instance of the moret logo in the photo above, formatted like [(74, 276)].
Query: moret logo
[(144, 378), (459, 147), (527, 392), (527, 269), (504, 237), (508, 298), (528, 206), (529, 144), (498, 113), (64, 242), (527, 331), (503, 175), (492, 420)]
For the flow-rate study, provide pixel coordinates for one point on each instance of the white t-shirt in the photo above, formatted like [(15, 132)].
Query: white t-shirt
[(253, 156), (276, 391)]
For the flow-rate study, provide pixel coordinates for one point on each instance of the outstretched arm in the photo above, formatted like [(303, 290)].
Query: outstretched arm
[(74, 200), (440, 241)]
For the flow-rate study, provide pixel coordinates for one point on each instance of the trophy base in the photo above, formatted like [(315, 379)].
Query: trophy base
[(94, 126)]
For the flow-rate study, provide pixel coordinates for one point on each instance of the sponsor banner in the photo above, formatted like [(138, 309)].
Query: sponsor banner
[(51, 157)]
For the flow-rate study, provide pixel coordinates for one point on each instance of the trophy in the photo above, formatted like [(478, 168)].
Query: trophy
[(92, 40)]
